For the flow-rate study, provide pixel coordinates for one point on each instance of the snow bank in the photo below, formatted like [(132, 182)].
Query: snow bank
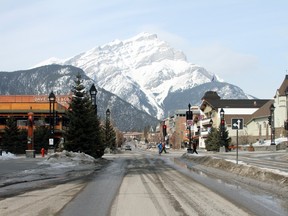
[(69, 159), (262, 174), (6, 156)]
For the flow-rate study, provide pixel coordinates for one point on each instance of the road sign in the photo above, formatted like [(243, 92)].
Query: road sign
[(51, 141), (189, 122), (237, 124)]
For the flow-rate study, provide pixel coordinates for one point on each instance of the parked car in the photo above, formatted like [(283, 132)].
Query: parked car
[(128, 147)]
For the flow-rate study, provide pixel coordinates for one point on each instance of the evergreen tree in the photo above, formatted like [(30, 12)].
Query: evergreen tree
[(22, 145), (84, 133), (41, 138), (110, 135), (226, 140), (214, 140), (11, 136)]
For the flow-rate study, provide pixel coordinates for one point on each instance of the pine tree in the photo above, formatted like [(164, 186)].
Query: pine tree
[(214, 140), (22, 145), (41, 137), (226, 140), (11, 136), (110, 135), (84, 133)]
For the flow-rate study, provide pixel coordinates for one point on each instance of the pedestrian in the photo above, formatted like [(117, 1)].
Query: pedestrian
[(194, 147), (160, 148), (163, 148)]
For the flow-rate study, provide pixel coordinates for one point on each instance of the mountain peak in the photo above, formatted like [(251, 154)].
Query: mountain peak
[(142, 70), (143, 36)]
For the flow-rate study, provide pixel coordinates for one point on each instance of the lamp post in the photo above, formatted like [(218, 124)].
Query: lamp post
[(286, 122), (30, 152), (108, 115), (93, 93), (189, 120), (222, 127), (272, 108), (52, 99), (107, 128)]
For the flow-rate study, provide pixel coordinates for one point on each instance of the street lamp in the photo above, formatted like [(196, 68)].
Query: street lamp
[(222, 127), (108, 114), (272, 108), (286, 122), (222, 113), (107, 131), (52, 99), (93, 93), (189, 120)]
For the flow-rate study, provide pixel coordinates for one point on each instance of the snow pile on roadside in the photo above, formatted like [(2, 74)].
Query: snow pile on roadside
[(68, 159), (257, 173), (6, 156), (268, 142)]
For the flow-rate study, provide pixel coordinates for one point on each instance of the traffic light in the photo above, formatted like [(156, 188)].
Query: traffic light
[(222, 128), (222, 124), (269, 120), (164, 130), (189, 115)]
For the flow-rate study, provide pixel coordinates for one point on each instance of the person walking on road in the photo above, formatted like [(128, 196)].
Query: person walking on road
[(194, 147), (163, 148), (160, 148)]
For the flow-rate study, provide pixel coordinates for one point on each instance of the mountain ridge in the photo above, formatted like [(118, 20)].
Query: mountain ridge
[(144, 71), (59, 79)]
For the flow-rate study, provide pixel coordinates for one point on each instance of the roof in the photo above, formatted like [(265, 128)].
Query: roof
[(61, 99), (263, 111), (284, 87), (216, 102)]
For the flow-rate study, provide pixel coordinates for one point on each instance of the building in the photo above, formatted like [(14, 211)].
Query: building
[(18, 107), (281, 108), (233, 109), (253, 113), (257, 126), (177, 130)]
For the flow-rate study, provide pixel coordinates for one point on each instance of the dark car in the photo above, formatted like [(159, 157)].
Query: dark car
[(128, 147)]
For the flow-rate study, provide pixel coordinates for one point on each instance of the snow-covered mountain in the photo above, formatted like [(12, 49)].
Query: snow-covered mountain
[(145, 71), (60, 79)]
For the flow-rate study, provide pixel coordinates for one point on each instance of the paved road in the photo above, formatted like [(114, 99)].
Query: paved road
[(144, 183), (97, 197), (141, 183)]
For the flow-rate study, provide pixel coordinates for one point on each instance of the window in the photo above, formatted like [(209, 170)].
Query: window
[(21, 122)]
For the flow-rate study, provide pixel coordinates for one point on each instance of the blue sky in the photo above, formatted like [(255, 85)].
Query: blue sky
[(245, 42)]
